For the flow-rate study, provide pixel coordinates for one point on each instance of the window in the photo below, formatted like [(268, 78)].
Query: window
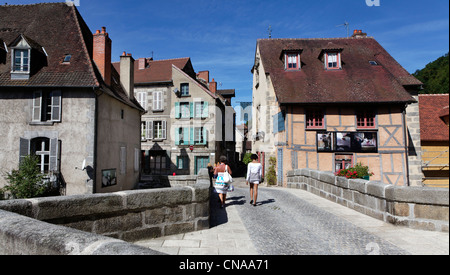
[(154, 130), (67, 58), (314, 119), (185, 110), (198, 135), (183, 162), (46, 106), (191, 136), (333, 61), (374, 63), (279, 122), (40, 147), (159, 130), (184, 89), (47, 149), (21, 60), (292, 61), (343, 162), (158, 101), (365, 119), (201, 109)]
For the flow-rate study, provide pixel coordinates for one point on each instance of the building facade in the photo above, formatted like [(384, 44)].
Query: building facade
[(434, 139), (187, 118), (328, 104), (62, 101)]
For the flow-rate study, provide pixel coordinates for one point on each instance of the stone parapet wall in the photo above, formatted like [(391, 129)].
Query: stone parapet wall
[(126, 215), (415, 207)]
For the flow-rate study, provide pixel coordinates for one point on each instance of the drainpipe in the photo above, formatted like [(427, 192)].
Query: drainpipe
[(405, 134)]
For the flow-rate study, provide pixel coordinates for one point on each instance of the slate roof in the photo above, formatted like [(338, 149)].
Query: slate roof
[(431, 108), (357, 82), (60, 30)]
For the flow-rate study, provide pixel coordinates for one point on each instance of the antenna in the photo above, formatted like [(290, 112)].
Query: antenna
[(346, 24), (270, 31)]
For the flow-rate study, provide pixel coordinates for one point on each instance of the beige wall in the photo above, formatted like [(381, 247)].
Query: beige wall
[(114, 132)]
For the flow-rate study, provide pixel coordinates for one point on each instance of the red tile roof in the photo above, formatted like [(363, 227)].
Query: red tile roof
[(156, 70), (431, 107), (357, 82)]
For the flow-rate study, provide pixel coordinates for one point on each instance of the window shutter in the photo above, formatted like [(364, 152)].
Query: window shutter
[(149, 129), (177, 110), (24, 149), (191, 109), (186, 136), (56, 106), (157, 98), (123, 160), (177, 136), (191, 136), (164, 129), (205, 111), (137, 153), (53, 155), (37, 103), (142, 99)]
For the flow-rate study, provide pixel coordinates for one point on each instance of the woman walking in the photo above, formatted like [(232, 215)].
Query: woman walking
[(254, 174), (222, 187)]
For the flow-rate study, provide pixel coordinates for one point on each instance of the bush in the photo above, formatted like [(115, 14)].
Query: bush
[(27, 182), (271, 175), (359, 171)]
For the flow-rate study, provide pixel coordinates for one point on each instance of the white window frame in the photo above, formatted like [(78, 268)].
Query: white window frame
[(39, 111), (22, 57), (333, 57)]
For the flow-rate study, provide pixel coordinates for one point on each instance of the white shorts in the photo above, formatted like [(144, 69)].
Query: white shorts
[(255, 182)]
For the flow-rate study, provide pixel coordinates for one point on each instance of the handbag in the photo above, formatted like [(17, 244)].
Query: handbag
[(224, 177)]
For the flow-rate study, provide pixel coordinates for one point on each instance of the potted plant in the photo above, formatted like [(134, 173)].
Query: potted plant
[(359, 171)]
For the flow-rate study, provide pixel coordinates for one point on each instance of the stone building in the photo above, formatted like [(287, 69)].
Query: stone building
[(328, 104), (61, 99), (188, 121)]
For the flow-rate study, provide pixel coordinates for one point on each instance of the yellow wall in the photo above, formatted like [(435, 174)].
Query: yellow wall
[(436, 160)]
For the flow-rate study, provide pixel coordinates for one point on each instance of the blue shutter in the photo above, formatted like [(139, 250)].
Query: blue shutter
[(205, 111), (177, 110), (185, 136), (177, 136)]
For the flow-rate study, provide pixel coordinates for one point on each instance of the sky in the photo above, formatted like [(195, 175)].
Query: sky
[(220, 35)]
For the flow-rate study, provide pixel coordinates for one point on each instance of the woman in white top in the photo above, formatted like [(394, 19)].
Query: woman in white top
[(254, 174)]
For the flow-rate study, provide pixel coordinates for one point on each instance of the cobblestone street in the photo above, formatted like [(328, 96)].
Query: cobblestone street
[(295, 222)]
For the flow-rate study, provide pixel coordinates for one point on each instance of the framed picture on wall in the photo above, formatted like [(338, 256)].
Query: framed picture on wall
[(325, 142), (356, 142), (109, 177)]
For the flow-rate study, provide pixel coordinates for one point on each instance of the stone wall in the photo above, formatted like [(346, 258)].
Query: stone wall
[(414, 207), (126, 215)]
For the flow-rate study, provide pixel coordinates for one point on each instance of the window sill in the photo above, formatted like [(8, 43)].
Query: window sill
[(42, 123)]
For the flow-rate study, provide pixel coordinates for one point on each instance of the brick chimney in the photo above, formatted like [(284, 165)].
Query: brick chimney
[(203, 75), (102, 54), (127, 74), (213, 86), (359, 34)]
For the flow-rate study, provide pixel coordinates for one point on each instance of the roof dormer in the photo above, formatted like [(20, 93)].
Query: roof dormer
[(291, 59), (332, 59), (24, 53)]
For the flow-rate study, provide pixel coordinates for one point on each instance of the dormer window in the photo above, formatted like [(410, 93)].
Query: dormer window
[(67, 58), (21, 60), (333, 61), (292, 61)]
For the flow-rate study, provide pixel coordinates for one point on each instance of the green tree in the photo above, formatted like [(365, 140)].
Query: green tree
[(27, 182), (435, 76)]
